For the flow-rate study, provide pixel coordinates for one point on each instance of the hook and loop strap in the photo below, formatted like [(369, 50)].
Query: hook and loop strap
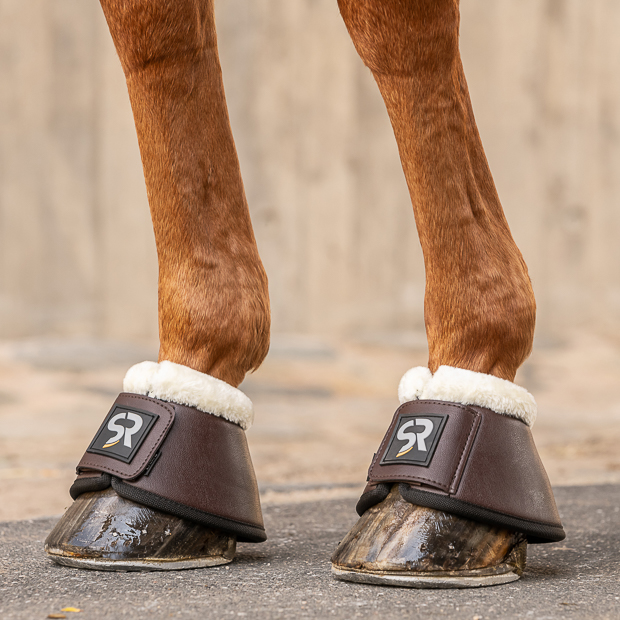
[(469, 461)]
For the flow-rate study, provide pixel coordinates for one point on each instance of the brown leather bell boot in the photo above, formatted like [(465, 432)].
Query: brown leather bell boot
[(167, 483), (456, 489)]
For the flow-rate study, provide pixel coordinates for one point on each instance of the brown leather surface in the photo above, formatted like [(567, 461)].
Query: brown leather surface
[(126, 471), (446, 466), (88, 473), (504, 470), (482, 458), (203, 463)]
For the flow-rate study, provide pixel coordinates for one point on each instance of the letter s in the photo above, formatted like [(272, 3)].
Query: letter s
[(410, 438), (115, 428)]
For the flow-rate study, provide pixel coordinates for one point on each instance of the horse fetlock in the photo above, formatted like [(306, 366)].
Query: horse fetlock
[(489, 331), (219, 326)]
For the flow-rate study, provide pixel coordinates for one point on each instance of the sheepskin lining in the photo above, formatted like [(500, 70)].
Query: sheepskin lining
[(182, 385), (466, 387)]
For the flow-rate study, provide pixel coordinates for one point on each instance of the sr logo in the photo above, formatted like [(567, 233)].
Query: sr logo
[(125, 432), (411, 438), (415, 439), (122, 433)]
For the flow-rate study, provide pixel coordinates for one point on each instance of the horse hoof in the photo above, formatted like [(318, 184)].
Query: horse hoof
[(103, 531), (398, 544)]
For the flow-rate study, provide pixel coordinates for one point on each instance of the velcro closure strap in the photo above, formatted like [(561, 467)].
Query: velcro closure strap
[(176, 459), (469, 461), (428, 442), (130, 436)]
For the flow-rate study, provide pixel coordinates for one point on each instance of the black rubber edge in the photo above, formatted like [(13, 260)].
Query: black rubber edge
[(376, 496), (536, 533), (92, 483), (245, 532)]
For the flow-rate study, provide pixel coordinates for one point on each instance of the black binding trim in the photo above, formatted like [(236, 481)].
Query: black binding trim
[(376, 496), (536, 532), (92, 483), (245, 532)]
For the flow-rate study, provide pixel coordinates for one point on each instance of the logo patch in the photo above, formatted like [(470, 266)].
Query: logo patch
[(122, 433), (414, 440)]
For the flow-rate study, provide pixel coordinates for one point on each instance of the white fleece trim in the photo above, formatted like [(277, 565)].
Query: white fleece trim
[(185, 386), (466, 387), (412, 384)]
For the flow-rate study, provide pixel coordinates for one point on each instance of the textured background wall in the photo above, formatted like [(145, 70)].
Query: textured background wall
[(322, 174)]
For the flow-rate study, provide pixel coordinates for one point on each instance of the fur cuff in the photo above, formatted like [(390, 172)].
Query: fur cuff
[(465, 387), (184, 386)]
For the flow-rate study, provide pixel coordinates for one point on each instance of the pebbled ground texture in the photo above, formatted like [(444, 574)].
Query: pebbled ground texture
[(289, 575)]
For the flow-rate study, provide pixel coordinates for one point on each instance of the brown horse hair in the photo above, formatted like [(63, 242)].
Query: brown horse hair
[(213, 299), (479, 306)]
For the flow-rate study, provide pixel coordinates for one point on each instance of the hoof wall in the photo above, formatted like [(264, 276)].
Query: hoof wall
[(398, 544), (103, 531)]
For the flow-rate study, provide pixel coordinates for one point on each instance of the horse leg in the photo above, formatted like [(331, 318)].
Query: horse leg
[(213, 320), (479, 315)]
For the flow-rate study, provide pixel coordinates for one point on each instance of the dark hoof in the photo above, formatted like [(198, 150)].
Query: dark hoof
[(397, 543), (103, 531)]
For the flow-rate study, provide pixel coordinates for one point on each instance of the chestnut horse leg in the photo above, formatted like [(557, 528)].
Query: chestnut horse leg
[(213, 301), (479, 305), (213, 308)]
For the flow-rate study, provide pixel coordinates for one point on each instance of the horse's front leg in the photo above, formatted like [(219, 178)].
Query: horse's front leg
[(466, 487), (168, 482), (213, 302)]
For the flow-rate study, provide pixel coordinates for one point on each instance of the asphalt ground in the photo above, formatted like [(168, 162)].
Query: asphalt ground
[(289, 575)]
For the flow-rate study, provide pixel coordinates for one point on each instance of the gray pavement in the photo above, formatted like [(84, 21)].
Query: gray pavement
[(289, 575)]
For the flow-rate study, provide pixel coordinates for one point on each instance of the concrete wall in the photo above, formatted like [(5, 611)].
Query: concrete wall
[(77, 255), (322, 174)]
